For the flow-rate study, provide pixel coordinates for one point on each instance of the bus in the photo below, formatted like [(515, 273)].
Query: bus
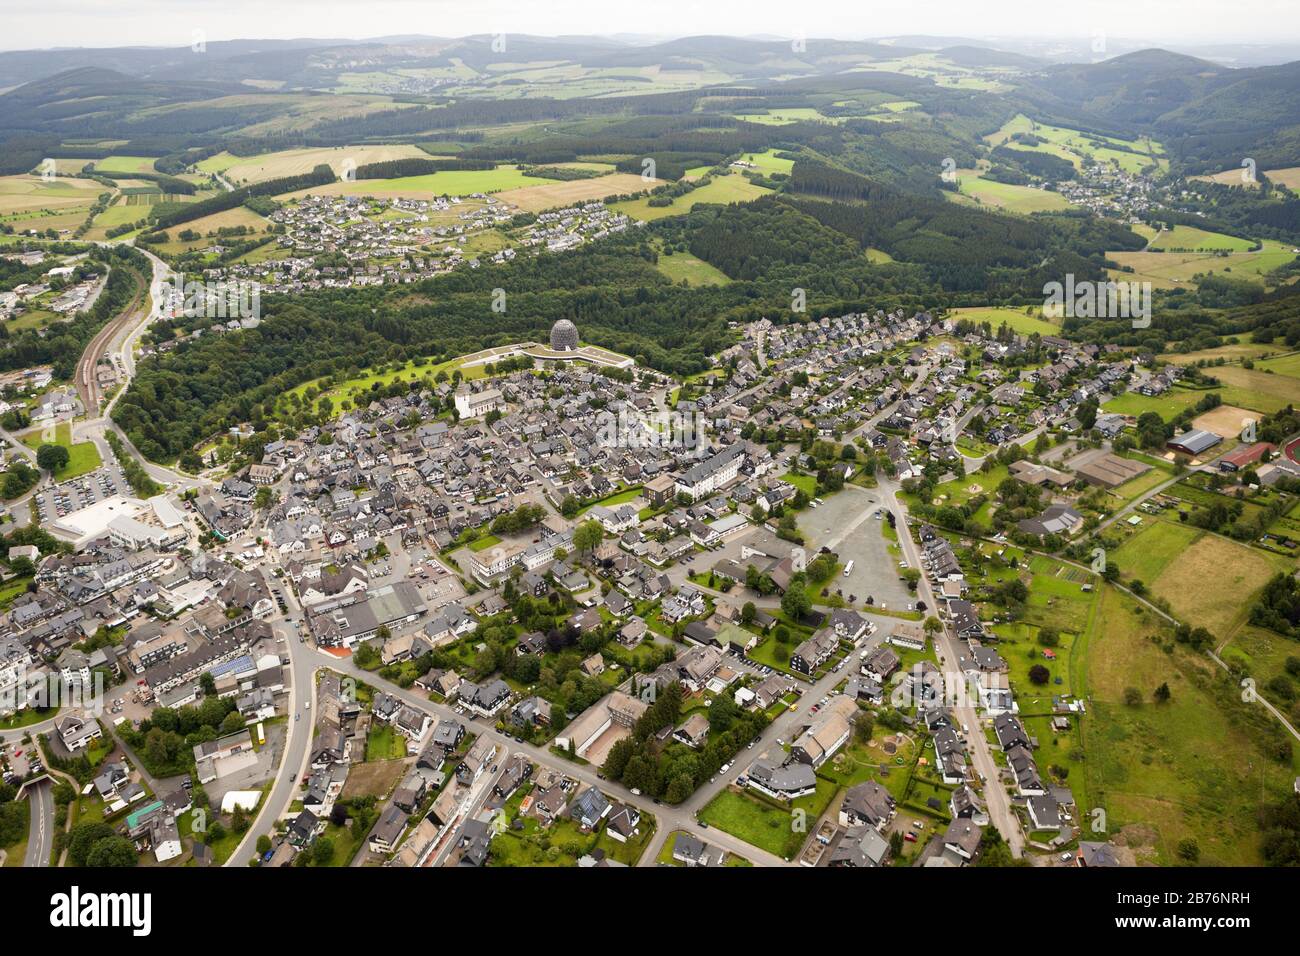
[(848, 569)]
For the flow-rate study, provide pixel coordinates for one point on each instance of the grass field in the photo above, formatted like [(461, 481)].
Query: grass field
[(1018, 199), (125, 164), (1170, 270), (683, 266), (1146, 554), (83, 457), (1233, 351), (1015, 319), (555, 193), (460, 182), (1188, 768), (1257, 390), (720, 189), (787, 115), (1282, 365), (763, 823), (1071, 145), (1167, 405), (355, 389), (1191, 239), (1207, 579)]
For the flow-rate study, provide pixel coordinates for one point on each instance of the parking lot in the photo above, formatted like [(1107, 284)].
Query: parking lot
[(838, 523), (81, 492)]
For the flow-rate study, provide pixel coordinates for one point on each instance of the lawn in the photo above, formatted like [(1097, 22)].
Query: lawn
[(765, 824), (354, 390), (384, 743), (805, 483), (83, 457)]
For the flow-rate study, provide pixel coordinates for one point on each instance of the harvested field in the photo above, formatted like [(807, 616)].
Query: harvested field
[(558, 194)]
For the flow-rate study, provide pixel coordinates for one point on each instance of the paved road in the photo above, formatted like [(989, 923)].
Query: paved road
[(304, 660), (119, 338), (40, 839), (995, 795)]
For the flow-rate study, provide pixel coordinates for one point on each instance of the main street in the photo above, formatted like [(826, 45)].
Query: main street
[(303, 663), (995, 795)]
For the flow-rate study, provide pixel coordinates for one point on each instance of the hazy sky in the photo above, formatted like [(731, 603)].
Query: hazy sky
[(45, 23)]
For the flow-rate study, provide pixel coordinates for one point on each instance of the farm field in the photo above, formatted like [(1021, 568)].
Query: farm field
[(786, 116), (1015, 319), (460, 182), (125, 164), (1169, 270), (558, 193), (1206, 578), (1020, 199), (241, 170), (1188, 768), (1070, 144), (1257, 390), (1232, 352), (226, 219), (27, 194), (1282, 365), (1191, 239), (721, 189)]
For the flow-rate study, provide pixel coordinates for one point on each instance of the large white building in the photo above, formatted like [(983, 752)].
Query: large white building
[(473, 404)]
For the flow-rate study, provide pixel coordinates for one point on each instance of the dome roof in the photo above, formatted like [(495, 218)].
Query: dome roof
[(564, 336)]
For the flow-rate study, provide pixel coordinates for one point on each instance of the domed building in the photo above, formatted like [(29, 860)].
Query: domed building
[(564, 336)]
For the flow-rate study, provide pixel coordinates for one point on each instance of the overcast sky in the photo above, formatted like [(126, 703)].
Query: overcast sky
[(32, 24)]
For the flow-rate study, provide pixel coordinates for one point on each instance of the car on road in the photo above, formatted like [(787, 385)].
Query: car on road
[(725, 767), (306, 705)]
